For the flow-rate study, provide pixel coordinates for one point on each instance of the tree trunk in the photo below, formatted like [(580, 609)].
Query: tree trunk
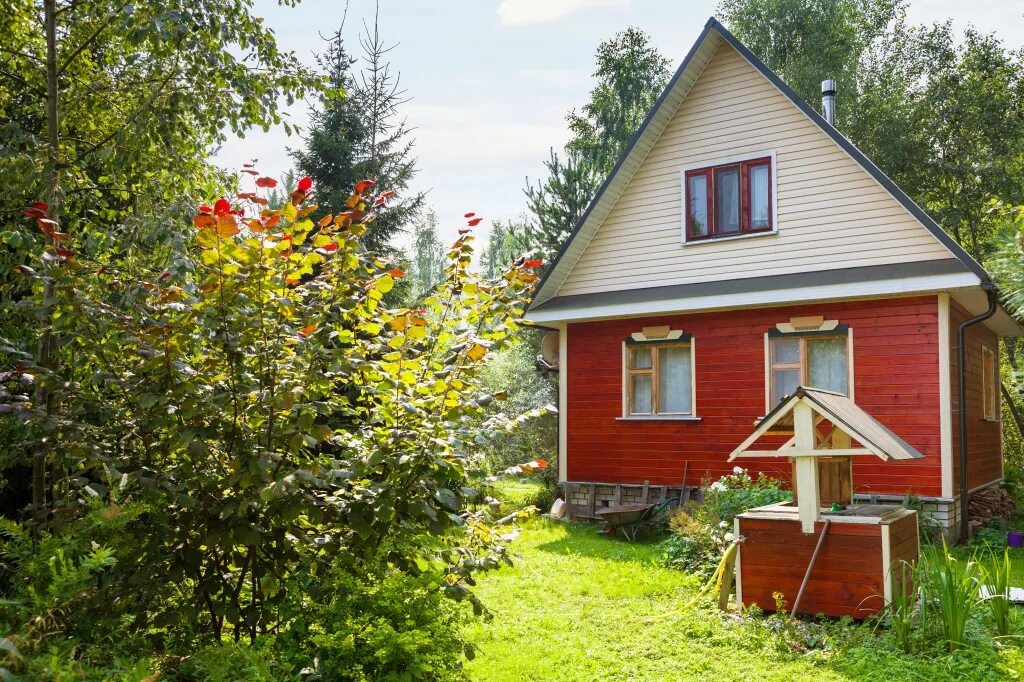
[(45, 349), (1014, 412)]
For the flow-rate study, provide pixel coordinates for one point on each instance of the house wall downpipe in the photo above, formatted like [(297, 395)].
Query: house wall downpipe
[(828, 101), (961, 364)]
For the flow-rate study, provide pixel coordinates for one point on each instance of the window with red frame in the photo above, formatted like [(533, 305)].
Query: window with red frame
[(729, 200)]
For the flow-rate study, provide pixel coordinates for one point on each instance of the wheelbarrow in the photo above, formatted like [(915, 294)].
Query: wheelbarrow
[(630, 519)]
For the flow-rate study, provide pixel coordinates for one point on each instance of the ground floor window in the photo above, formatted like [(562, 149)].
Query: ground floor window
[(816, 361), (659, 379)]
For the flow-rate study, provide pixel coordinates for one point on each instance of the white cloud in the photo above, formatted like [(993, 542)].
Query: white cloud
[(525, 12)]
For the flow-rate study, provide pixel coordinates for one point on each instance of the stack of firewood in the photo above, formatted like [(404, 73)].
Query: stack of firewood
[(988, 504)]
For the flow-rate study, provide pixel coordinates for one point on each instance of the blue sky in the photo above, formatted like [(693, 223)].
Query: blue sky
[(490, 81)]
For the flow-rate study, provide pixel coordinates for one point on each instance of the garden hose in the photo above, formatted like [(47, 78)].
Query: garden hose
[(716, 577)]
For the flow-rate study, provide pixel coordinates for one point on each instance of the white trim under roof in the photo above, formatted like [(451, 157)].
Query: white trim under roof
[(844, 290)]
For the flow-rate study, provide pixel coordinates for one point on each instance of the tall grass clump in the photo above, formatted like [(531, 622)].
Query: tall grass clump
[(951, 590), (997, 583), (902, 612)]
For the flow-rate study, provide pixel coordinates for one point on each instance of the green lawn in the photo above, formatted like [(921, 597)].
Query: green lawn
[(579, 606)]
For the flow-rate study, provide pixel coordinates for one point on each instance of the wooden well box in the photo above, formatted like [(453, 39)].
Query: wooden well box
[(821, 553), (863, 553)]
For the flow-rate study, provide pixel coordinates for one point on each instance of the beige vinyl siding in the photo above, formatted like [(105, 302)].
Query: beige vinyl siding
[(831, 212)]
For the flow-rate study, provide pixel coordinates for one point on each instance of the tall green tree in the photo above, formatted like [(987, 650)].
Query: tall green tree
[(356, 133), (109, 111), (630, 74), (969, 100), (507, 241), (807, 41), (137, 94), (558, 202)]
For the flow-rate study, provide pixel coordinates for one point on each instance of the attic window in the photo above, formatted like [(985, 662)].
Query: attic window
[(729, 199)]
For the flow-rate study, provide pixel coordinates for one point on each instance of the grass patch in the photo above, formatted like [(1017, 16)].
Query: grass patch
[(580, 606), (517, 492)]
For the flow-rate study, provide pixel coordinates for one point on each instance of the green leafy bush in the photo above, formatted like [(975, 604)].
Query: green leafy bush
[(248, 413), (513, 373), (385, 626), (693, 545), (239, 662), (734, 493), (701, 532), (992, 536)]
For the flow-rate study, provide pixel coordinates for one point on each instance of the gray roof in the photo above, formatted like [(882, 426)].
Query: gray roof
[(748, 285), (654, 124)]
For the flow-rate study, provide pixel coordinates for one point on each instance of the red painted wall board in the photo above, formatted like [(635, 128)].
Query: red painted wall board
[(895, 373)]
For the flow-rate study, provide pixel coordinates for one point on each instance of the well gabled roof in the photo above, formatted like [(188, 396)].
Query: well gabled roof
[(656, 122), (842, 413)]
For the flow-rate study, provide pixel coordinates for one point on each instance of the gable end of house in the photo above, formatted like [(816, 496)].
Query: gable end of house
[(724, 106)]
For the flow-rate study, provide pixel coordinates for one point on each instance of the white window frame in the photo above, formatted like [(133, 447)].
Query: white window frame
[(850, 384), (725, 161), (689, 416)]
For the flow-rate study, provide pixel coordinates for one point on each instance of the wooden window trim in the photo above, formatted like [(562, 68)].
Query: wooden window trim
[(803, 366), (710, 173), (652, 371), (989, 385)]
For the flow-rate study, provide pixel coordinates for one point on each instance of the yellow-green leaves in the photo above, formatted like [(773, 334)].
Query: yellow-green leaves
[(385, 283)]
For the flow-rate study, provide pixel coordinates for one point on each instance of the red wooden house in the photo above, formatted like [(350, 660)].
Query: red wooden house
[(742, 246)]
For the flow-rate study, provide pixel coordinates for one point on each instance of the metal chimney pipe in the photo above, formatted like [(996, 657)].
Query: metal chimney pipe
[(828, 101)]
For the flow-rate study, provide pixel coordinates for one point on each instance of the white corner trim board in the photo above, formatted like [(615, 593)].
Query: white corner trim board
[(945, 397)]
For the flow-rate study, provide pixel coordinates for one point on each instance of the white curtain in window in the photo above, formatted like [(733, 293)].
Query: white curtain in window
[(784, 382), (826, 364), (674, 380), (641, 358), (698, 205), (641, 394), (759, 197), (727, 201)]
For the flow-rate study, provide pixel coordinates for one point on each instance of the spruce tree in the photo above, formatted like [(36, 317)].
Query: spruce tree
[(355, 133)]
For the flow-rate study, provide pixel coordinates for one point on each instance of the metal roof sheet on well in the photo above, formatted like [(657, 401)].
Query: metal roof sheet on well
[(849, 417)]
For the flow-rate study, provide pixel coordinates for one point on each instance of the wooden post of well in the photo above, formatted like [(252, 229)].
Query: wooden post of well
[(809, 505)]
